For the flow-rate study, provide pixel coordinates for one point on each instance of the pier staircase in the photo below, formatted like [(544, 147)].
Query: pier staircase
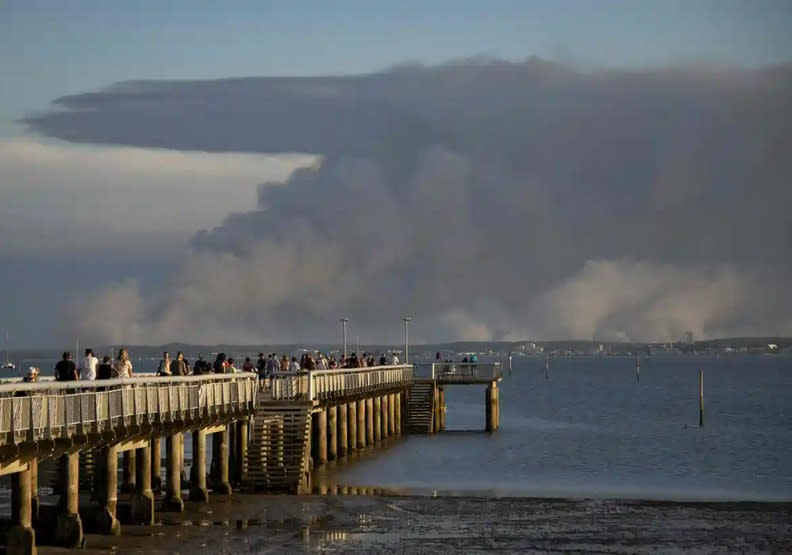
[(278, 452), (420, 408)]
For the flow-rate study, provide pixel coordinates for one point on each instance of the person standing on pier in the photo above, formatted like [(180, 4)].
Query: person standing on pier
[(248, 366), (164, 368), (88, 368), (294, 366), (105, 370), (178, 368), (261, 366), (219, 364), (123, 366), (65, 370), (200, 366)]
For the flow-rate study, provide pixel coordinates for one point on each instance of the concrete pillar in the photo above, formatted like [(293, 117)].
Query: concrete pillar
[(198, 490), (332, 433), (436, 409), (491, 403), (222, 485), (361, 424), (397, 406), (156, 465), (369, 403), (108, 491), (68, 530), (343, 444), (352, 425), (233, 463), (319, 421), (173, 499), (385, 416), (128, 472), (442, 407), (377, 419), (391, 415), (143, 500), (21, 537), (182, 475), (241, 448), (34, 498)]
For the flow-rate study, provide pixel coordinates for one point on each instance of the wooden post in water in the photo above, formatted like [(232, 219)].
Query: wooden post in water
[(156, 465), (173, 499), (547, 367), (342, 430), (332, 433), (69, 530), (21, 538), (377, 418), (701, 398), (352, 425), (362, 411), (638, 369), (369, 404)]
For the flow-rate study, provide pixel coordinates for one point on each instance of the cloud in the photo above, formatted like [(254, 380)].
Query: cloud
[(487, 199), (55, 196)]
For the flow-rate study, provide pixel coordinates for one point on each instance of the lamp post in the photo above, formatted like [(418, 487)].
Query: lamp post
[(406, 340), (343, 325)]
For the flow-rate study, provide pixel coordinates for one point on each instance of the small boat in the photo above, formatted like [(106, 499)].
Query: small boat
[(7, 365)]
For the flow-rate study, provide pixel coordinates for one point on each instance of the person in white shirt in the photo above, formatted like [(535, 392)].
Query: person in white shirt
[(294, 366), (88, 368), (394, 359)]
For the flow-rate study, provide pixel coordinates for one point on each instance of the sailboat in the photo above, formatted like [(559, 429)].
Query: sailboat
[(8, 365)]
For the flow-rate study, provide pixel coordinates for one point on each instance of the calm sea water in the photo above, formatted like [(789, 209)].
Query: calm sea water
[(592, 430)]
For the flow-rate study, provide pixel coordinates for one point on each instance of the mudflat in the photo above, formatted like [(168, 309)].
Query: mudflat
[(420, 524)]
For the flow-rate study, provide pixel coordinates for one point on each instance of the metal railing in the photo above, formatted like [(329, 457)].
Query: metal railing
[(321, 385), (31, 412), (459, 371)]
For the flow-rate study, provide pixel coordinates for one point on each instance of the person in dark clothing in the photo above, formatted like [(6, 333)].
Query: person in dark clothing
[(383, 361), (105, 370), (200, 366), (66, 370), (220, 363)]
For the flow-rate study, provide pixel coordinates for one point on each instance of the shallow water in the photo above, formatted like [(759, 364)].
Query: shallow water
[(593, 430)]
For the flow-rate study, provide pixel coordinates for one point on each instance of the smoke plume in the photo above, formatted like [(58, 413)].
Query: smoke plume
[(489, 200)]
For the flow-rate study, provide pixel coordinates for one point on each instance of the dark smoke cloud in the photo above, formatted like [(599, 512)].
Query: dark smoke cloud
[(488, 199)]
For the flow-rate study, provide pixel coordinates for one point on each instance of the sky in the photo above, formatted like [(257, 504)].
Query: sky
[(116, 207)]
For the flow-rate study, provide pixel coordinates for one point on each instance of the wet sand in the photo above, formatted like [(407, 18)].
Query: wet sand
[(415, 524)]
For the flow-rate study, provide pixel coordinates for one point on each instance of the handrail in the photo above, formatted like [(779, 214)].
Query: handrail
[(114, 382), (461, 370), (338, 382)]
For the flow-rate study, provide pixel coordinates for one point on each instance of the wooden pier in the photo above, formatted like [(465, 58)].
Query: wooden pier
[(267, 435)]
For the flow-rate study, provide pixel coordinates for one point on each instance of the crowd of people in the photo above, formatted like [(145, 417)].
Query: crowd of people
[(266, 365)]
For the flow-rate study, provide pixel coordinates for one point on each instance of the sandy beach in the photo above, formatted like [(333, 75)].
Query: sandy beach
[(415, 524)]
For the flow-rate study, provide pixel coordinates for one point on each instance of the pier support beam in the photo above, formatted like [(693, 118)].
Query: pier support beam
[(332, 433), (241, 449), (69, 530), (442, 408), (436, 409), (173, 499), (319, 422), (491, 402), (156, 465), (391, 415), (377, 419), (369, 421), (352, 425), (128, 472), (343, 444), (385, 416), (21, 537), (198, 489), (143, 501), (397, 406), (108, 491), (361, 424), (221, 484), (34, 499)]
